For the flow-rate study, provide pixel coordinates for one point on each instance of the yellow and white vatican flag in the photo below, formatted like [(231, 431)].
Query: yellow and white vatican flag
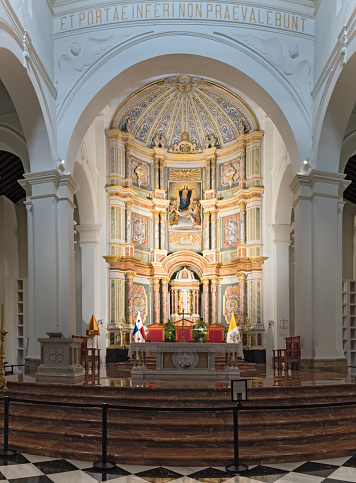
[(233, 334)]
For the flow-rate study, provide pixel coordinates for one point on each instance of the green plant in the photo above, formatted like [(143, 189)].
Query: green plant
[(169, 332), (199, 331)]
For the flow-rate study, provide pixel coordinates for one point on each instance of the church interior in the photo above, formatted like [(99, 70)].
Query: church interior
[(177, 220)]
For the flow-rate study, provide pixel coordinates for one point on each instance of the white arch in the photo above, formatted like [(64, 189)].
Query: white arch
[(23, 90), (137, 65), (13, 141), (334, 116)]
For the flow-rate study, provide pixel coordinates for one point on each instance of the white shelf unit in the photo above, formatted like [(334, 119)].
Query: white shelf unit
[(21, 311), (349, 323)]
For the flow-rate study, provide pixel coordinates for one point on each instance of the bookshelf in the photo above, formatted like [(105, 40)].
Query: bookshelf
[(21, 318), (349, 323)]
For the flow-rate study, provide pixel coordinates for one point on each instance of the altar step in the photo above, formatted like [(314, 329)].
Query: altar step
[(177, 438)]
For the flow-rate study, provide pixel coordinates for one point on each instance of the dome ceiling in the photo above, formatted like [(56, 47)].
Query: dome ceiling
[(166, 109)]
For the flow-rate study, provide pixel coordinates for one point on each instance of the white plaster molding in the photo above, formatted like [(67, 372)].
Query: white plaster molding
[(281, 233), (334, 61), (88, 233), (279, 73)]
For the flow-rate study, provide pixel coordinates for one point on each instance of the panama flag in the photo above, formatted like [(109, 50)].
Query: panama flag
[(139, 331), (233, 334)]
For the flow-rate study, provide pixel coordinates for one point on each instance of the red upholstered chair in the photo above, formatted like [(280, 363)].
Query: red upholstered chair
[(155, 333), (188, 334), (216, 333), (188, 330)]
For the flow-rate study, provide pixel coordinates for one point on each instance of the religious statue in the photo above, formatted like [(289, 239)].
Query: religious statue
[(241, 127)]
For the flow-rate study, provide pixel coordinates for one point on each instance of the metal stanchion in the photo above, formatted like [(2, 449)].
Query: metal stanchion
[(6, 451), (104, 464), (236, 467)]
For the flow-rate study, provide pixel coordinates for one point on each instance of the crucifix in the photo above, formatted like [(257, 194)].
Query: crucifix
[(183, 314)]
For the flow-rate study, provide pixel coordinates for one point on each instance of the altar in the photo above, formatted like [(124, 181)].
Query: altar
[(185, 359)]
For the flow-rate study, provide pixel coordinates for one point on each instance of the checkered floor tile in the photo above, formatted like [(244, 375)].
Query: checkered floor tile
[(25, 468)]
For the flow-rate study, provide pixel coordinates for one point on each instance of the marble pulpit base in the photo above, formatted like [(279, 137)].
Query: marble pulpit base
[(182, 360)]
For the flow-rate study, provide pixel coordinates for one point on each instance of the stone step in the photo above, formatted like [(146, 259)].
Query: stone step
[(189, 438)]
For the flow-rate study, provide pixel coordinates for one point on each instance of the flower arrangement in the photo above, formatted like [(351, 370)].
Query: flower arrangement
[(199, 331)]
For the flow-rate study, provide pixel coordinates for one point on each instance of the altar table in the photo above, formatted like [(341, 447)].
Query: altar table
[(185, 359)]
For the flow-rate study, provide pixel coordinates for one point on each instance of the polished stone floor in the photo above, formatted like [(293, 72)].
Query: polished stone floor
[(262, 375), (25, 468)]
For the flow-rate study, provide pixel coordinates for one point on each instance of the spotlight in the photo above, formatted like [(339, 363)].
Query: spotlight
[(306, 164), (61, 165)]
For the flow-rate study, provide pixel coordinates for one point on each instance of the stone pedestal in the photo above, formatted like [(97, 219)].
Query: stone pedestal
[(60, 360)]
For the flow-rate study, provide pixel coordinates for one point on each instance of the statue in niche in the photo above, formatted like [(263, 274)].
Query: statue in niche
[(230, 173), (241, 127), (210, 141), (159, 140), (128, 125), (139, 173)]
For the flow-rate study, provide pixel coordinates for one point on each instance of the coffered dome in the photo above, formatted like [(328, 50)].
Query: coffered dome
[(166, 109)]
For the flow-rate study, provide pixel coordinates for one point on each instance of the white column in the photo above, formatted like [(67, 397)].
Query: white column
[(51, 255), (66, 267), (280, 260), (89, 236), (317, 265)]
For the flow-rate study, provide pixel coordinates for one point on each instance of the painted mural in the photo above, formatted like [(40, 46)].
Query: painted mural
[(139, 302), (231, 303), (185, 241), (184, 206)]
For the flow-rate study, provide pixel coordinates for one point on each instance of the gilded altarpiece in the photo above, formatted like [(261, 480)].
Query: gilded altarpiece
[(184, 212)]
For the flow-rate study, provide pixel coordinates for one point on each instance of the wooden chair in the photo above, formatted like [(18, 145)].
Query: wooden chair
[(188, 330), (282, 358), (155, 333), (216, 333)]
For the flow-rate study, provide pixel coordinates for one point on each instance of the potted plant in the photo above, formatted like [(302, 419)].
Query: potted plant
[(199, 331), (169, 332)]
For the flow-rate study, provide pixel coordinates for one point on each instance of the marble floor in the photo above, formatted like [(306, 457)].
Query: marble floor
[(25, 468), (263, 375)]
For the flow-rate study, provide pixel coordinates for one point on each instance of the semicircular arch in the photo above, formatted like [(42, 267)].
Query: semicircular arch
[(185, 258), (139, 67)]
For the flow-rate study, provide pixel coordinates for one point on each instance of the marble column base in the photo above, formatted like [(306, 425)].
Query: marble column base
[(31, 365), (330, 365), (60, 375)]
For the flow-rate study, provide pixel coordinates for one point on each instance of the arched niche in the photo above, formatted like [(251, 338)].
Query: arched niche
[(107, 83)]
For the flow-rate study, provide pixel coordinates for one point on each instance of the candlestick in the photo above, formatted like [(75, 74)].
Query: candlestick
[(2, 316)]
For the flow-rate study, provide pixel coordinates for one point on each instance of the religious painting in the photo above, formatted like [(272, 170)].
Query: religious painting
[(184, 206), (185, 241), (139, 302), (231, 303)]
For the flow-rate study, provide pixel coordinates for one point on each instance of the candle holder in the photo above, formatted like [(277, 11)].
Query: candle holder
[(3, 383), (283, 327)]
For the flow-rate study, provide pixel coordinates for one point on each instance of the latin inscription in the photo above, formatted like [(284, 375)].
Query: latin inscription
[(182, 10)]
